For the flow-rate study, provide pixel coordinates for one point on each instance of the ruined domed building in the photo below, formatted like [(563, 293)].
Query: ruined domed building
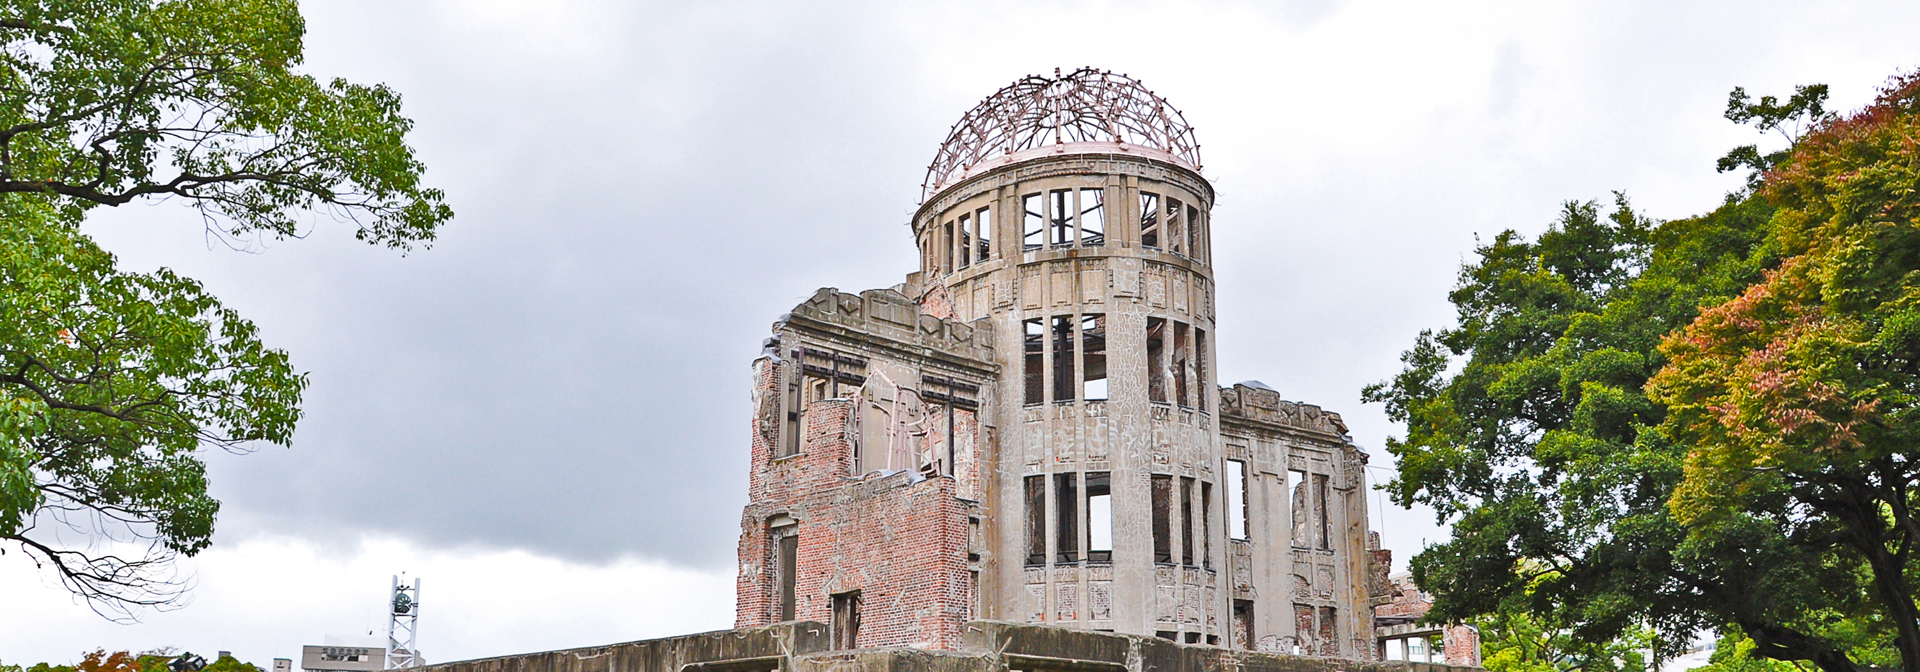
[(1020, 459), (1028, 429)]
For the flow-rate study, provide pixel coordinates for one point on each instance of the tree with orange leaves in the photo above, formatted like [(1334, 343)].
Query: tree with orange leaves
[(1800, 399)]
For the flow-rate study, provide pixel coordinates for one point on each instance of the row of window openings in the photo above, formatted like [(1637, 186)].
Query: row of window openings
[(826, 374), (1312, 525), (1092, 508), (1186, 359), (845, 606), (1065, 217)]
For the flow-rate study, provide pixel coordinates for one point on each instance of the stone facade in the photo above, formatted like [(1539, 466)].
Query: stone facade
[(1019, 458), (805, 646), (1028, 430)]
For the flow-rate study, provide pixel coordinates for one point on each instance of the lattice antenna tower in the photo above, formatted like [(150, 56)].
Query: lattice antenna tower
[(403, 622)]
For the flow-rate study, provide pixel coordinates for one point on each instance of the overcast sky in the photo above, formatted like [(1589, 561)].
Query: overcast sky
[(546, 414)]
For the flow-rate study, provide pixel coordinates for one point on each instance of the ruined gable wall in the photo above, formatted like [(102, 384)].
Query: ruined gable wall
[(900, 537)]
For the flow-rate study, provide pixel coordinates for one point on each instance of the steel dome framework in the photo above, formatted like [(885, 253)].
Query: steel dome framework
[(1086, 105)]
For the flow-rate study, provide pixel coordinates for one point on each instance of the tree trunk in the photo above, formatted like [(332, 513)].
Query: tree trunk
[(1786, 644), (1891, 583)]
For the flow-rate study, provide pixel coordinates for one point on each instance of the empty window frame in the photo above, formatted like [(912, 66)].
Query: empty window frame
[(1206, 524), (1162, 492), (795, 408), (1323, 526), (1093, 217), (983, 234), (1243, 624), (787, 564), (1200, 385), (1033, 221), (1099, 516), (1063, 358), (1150, 220), (1186, 521), (1196, 237), (1035, 343), (966, 240), (1237, 523), (1182, 364), (1176, 236), (1302, 511), (1066, 498), (1156, 358), (946, 249), (1303, 629), (1329, 632), (1093, 356), (1060, 217), (1036, 520), (846, 620)]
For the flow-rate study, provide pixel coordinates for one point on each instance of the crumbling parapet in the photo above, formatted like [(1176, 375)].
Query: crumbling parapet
[(988, 646)]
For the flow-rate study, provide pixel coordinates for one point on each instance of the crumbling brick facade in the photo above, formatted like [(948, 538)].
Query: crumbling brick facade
[(1029, 429), (872, 484), (1402, 637)]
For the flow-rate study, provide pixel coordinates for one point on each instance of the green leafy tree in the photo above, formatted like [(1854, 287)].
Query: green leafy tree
[(1800, 399), (1791, 120), (113, 383), (1530, 429), (1515, 639)]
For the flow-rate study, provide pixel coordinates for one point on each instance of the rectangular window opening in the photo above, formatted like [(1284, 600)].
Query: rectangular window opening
[(1036, 520), (1196, 239), (1060, 220), (1163, 519), (1322, 522), (1066, 497), (1149, 220), (1243, 624), (983, 234), (1297, 487), (1187, 523), (1182, 364), (1193, 638), (846, 620), (1329, 632), (790, 442), (788, 547), (1176, 240), (1063, 358), (1093, 217), (1237, 523), (1303, 629), (1206, 524), (1033, 224), (1093, 356), (966, 241), (1156, 353), (1036, 372), (1099, 517), (946, 250), (1200, 384)]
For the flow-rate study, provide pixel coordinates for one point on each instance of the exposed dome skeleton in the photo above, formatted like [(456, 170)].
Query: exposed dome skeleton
[(1086, 105)]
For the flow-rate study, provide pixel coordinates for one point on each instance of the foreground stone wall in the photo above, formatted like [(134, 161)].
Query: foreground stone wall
[(988, 646)]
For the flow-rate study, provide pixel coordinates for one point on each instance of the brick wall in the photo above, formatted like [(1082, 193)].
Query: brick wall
[(899, 539)]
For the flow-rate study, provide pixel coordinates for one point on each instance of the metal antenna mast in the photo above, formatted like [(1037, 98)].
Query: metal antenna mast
[(403, 625)]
